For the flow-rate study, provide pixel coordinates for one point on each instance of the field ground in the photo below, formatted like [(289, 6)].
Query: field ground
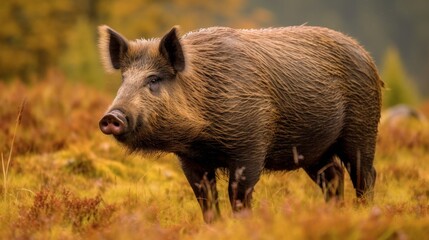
[(68, 181)]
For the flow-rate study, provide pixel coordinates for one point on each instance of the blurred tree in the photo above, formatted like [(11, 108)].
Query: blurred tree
[(400, 88), (147, 18), (80, 60), (31, 35), (36, 35)]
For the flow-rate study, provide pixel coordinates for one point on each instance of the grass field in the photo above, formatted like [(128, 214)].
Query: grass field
[(65, 180)]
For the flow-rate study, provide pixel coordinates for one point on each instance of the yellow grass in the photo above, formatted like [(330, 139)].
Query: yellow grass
[(88, 187)]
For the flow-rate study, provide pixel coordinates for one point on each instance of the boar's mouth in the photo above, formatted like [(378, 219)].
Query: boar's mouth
[(128, 129), (131, 137)]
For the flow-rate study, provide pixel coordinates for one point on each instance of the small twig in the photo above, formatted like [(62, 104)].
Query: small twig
[(4, 174), (28, 190), (6, 169)]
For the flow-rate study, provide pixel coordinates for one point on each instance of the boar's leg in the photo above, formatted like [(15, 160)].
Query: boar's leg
[(330, 178), (359, 164), (240, 188), (203, 183)]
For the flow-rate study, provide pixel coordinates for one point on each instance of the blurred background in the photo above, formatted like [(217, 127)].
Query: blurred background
[(41, 36)]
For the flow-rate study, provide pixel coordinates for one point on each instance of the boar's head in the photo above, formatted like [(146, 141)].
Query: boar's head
[(152, 110)]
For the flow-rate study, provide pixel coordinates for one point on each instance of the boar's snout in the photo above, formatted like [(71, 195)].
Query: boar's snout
[(114, 122)]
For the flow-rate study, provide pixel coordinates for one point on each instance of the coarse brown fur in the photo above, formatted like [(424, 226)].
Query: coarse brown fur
[(249, 100)]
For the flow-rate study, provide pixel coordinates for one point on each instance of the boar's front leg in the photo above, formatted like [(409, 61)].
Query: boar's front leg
[(241, 184), (203, 182)]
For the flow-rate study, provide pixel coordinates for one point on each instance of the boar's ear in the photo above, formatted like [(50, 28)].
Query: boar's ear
[(171, 48), (112, 47)]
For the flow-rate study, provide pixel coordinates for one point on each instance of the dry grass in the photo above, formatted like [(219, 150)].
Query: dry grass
[(62, 211), (5, 165), (68, 181), (57, 113)]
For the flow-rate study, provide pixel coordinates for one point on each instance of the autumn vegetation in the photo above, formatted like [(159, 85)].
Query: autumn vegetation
[(66, 180)]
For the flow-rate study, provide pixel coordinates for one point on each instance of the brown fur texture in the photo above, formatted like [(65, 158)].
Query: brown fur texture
[(249, 100)]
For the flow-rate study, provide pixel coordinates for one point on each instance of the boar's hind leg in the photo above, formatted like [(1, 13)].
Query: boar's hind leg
[(203, 183), (330, 178), (358, 159)]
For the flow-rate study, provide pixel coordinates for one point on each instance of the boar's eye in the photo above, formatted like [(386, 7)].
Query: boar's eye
[(153, 82)]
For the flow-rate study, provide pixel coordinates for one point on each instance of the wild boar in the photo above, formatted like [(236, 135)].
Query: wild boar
[(247, 101)]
